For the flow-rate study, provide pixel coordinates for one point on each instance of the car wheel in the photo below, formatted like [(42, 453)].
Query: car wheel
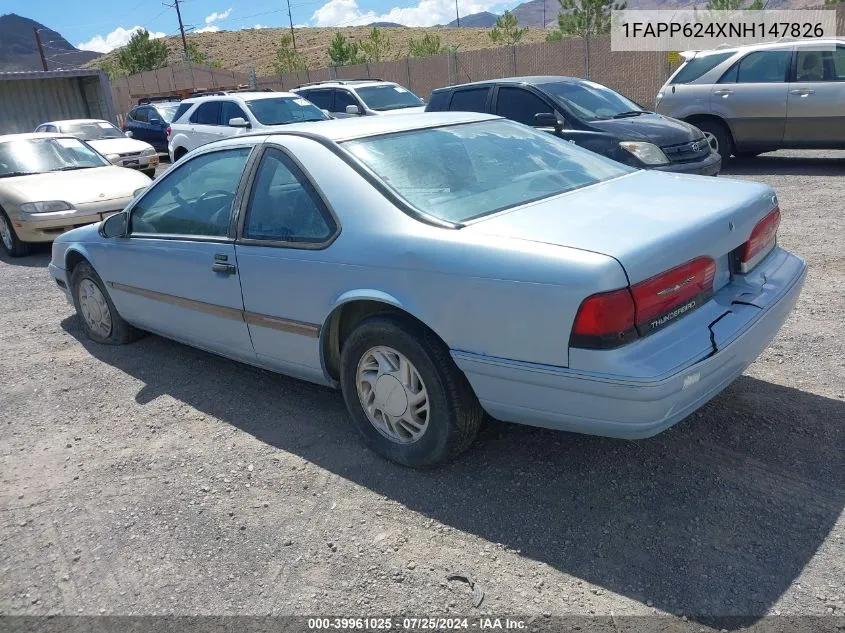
[(718, 136), (9, 239), (405, 395), (150, 172), (99, 317), (179, 153)]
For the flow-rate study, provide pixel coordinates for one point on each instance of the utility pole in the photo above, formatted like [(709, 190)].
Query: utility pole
[(292, 35), (457, 14), (181, 29), (40, 48), (544, 13)]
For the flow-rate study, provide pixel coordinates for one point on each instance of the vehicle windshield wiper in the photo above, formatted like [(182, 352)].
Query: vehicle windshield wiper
[(11, 174), (629, 113), (73, 167)]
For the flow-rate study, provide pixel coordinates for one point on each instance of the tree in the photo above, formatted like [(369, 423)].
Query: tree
[(288, 60), (554, 36), (195, 56), (507, 29), (343, 53), (834, 1), (427, 46), (587, 17), (110, 67), (376, 47), (141, 53)]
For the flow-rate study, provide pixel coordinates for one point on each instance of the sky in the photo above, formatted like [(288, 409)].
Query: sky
[(101, 26)]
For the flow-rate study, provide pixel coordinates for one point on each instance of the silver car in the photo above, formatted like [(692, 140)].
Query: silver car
[(753, 99)]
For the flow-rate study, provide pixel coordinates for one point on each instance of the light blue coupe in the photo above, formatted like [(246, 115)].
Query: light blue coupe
[(437, 266)]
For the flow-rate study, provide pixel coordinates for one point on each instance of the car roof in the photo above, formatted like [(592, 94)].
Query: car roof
[(65, 121), (337, 130), (532, 80), (26, 136), (346, 83), (251, 96), (762, 47)]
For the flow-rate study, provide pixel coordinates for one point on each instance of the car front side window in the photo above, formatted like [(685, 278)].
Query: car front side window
[(193, 200), (284, 206)]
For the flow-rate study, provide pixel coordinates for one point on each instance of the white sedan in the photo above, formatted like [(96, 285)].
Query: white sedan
[(50, 183), (117, 146)]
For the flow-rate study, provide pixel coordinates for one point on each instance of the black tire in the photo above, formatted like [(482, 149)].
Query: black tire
[(454, 414), (178, 153), (18, 249), (720, 133), (150, 172), (121, 332)]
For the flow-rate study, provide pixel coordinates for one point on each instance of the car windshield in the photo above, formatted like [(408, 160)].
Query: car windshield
[(461, 172), (592, 101), (41, 155), (283, 110), (92, 130), (166, 112), (389, 97)]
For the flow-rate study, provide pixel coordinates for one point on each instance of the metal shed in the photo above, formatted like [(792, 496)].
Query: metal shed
[(30, 98)]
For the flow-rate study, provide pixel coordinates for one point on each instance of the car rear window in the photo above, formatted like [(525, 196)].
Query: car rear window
[(697, 66), (460, 172)]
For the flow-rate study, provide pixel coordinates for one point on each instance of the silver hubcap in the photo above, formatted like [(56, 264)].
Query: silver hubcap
[(5, 233), (714, 142), (392, 394), (94, 308)]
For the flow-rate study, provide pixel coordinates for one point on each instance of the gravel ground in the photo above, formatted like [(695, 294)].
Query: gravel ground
[(156, 478)]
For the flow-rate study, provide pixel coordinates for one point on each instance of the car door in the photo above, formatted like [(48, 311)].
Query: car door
[(231, 110), (815, 113), (283, 229), (140, 127), (176, 272), (204, 124), (343, 98), (751, 96)]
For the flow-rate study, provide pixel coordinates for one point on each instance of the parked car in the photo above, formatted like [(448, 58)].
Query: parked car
[(50, 183), (497, 268), (361, 97), (201, 120), (753, 99), (590, 115), (148, 122), (117, 146)]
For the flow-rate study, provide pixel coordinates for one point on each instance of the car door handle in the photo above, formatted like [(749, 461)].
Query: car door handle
[(222, 267), (802, 92), (723, 92)]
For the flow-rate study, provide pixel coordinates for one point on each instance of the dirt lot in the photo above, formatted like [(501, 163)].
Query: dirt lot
[(155, 478)]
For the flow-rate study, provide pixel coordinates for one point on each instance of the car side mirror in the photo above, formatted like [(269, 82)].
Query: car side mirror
[(353, 109), (238, 121), (129, 133), (115, 225), (548, 119)]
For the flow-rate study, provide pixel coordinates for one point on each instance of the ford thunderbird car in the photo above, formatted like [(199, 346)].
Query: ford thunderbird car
[(435, 267)]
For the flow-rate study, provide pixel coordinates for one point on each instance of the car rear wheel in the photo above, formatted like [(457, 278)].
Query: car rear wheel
[(99, 317), (718, 136), (405, 395), (9, 239)]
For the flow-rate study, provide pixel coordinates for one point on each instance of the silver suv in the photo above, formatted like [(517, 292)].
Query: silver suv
[(753, 99), (360, 97)]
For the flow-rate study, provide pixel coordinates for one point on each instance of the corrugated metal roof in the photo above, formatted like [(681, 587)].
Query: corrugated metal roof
[(49, 74)]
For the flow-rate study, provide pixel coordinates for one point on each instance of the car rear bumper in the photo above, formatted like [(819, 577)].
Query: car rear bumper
[(636, 407), (708, 166)]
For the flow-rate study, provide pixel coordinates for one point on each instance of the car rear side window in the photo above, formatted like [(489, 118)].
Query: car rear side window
[(182, 109), (207, 113), (284, 206), (194, 199), (320, 98), (759, 67), (820, 65), (469, 100), (697, 66), (518, 104)]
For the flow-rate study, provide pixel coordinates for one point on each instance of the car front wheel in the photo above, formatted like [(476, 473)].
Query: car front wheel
[(99, 317), (9, 239), (405, 395), (718, 136)]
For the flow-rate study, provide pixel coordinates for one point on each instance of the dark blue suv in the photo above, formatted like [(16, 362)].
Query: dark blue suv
[(149, 122)]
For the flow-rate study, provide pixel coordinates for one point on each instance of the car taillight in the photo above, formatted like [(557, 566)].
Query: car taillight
[(762, 240), (610, 319), (167, 132)]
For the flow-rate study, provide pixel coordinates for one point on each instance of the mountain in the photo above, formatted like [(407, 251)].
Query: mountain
[(18, 50), (530, 13), (385, 24), (482, 20)]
